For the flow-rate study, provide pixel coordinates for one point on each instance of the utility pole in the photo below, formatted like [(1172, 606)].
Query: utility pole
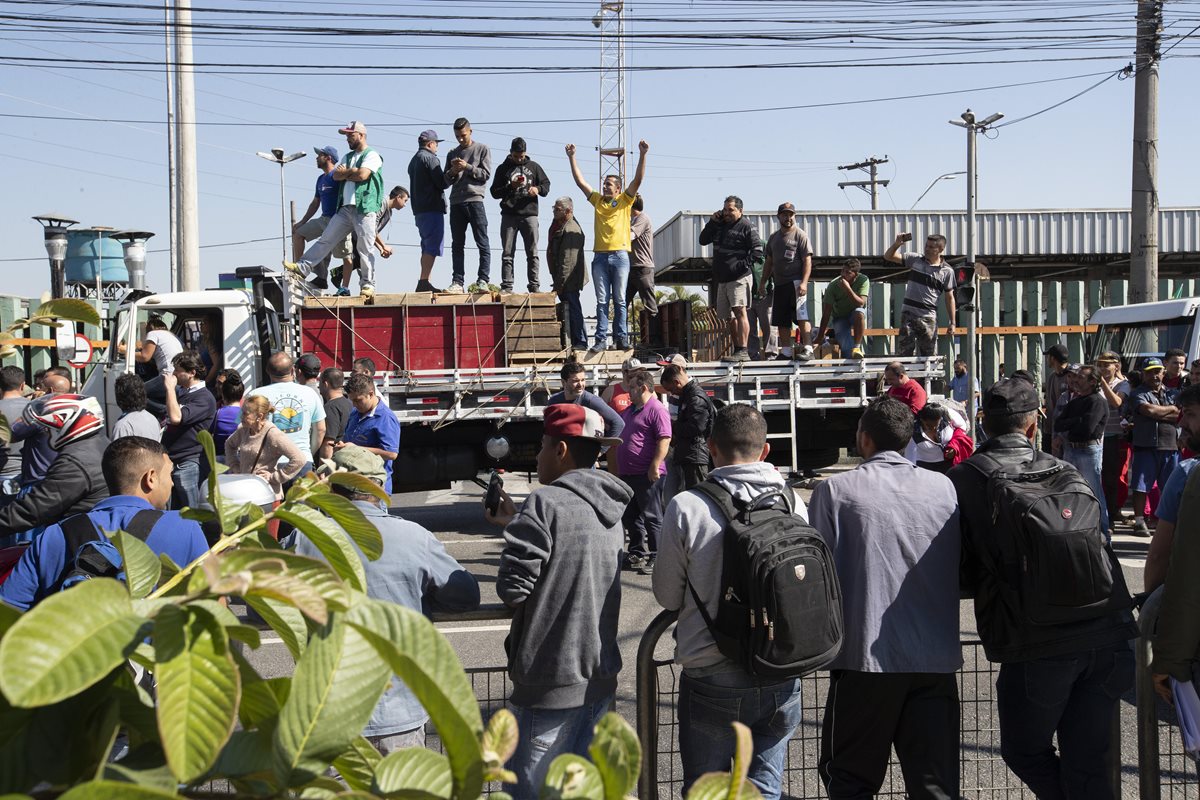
[(610, 19), (972, 127), (172, 178), (1143, 227), (871, 187), (185, 163)]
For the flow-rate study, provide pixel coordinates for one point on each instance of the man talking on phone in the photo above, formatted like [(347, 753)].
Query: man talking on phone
[(736, 247), (928, 276)]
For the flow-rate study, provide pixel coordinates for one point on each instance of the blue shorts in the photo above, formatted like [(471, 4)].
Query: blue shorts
[(432, 227), (1150, 467)]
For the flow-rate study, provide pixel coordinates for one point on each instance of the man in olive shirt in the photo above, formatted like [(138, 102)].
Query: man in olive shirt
[(789, 263), (845, 302)]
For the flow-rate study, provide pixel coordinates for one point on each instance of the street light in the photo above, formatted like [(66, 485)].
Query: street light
[(134, 245), (55, 229), (972, 127), (276, 155), (949, 176)]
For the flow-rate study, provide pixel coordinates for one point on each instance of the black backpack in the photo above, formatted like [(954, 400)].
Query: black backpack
[(780, 609), (90, 554), (1047, 520)]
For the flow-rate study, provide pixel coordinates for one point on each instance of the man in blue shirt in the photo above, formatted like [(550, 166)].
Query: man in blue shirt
[(310, 227), (138, 473), (574, 390), (1167, 512), (964, 388), (371, 425)]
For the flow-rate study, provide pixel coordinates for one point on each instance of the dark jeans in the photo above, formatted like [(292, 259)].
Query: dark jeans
[(510, 226), (577, 332), (186, 480), (869, 713), (462, 215), (1116, 454), (643, 515), (707, 706), (1073, 696), (641, 284)]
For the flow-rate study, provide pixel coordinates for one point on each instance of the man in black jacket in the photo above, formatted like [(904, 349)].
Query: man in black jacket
[(1061, 678), (1081, 424), (689, 433), (518, 184), (736, 247)]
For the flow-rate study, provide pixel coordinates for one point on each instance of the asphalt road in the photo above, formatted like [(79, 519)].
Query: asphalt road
[(455, 517)]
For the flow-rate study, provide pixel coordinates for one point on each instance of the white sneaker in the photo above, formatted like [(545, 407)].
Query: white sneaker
[(806, 353), (455, 288)]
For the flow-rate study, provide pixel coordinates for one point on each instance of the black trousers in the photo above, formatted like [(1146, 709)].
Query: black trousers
[(643, 515), (641, 284), (868, 713)]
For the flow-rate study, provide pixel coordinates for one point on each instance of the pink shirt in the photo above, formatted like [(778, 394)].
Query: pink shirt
[(644, 427)]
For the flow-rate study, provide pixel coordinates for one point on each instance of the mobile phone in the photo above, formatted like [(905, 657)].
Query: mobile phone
[(495, 485), (906, 237)]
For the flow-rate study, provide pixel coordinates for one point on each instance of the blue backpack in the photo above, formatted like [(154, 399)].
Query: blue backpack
[(91, 554)]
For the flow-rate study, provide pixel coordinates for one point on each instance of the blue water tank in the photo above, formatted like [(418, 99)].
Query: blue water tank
[(90, 250)]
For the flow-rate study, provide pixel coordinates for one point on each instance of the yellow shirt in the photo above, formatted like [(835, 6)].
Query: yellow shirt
[(612, 222)]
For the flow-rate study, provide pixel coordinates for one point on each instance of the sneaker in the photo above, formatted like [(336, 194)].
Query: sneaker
[(505, 289), (634, 562), (598, 347), (856, 352), (293, 267), (647, 567), (342, 291), (318, 284), (367, 293), (1140, 529), (534, 288), (335, 275), (426, 286), (455, 288), (621, 346), (805, 354), (738, 354), (477, 288)]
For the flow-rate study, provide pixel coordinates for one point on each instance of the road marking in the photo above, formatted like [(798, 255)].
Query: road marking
[(468, 629), (494, 540), (1136, 564)]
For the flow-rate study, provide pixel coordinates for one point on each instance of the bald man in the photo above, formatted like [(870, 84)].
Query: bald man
[(299, 410)]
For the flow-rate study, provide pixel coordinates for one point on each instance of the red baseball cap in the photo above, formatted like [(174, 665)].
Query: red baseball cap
[(568, 419)]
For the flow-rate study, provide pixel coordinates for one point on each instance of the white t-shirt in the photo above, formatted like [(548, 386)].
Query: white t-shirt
[(372, 161), (297, 407), (166, 347)]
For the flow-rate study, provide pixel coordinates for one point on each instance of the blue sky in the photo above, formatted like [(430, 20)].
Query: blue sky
[(516, 68)]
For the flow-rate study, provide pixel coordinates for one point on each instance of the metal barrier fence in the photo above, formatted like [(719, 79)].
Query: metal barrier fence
[(1166, 769)]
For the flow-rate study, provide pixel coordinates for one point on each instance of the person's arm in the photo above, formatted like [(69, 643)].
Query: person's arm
[(803, 288), (231, 450), (859, 300), (1158, 558), (819, 333), (613, 424), (892, 254), (951, 311), (527, 547), (316, 437), (483, 171), (389, 439), (174, 410), (660, 455), (359, 174), (669, 580), (37, 570), (1160, 413), (312, 209), (767, 273), (543, 181), (708, 234), (500, 181), (65, 483), (576, 173), (640, 173), (145, 352), (1178, 634), (448, 586)]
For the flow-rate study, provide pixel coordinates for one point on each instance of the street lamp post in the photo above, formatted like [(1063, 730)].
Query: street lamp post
[(55, 229), (134, 245), (972, 127), (949, 176), (276, 155)]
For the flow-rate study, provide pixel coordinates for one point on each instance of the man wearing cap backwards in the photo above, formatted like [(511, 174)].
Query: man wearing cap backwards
[(428, 184), (560, 571), (468, 168), (325, 199), (928, 276), (518, 184), (1155, 438), (360, 179), (789, 264), (415, 571), (1063, 679)]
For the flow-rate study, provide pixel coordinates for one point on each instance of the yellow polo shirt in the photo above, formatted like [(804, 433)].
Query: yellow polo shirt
[(612, 222)]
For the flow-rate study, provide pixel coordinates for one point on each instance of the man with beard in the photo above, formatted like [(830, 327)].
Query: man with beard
[(1172, 494), (789, 262), (1155, 453)]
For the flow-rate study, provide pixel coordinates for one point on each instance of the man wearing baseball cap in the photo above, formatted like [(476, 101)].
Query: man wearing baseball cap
[(428, 185), (789, 264), (325, 199), (560, 571), (1155, 438), (360, 198)]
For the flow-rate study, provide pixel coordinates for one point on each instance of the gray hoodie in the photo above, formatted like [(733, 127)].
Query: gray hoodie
[(561, 571), (690, 547)]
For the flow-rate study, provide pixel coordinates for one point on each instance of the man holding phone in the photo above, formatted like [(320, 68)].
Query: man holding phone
[(736, 247), (928, 276)]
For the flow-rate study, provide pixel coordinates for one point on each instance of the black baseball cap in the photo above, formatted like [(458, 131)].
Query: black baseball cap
[(1010, 396), (309, 365), (1059, 351)]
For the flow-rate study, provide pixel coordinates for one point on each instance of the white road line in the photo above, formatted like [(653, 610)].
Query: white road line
[(494, 540), (468, 629), (1136, 564)]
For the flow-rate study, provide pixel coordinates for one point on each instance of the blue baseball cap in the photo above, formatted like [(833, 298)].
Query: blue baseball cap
[(1151, 364), (327, 150)]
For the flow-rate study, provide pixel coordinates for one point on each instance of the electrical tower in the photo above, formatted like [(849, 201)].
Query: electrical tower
[(871, 187), (610, 19)]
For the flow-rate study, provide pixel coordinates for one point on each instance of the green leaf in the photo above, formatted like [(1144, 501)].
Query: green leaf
[(115, 790), (360, 484), (414, 770), (313, 571), (572, 777), (285, 621), (291, 590), (248, 757), (168, 568), (141, 565), (710, 786), (327, 537), (262, 700), (198, 689), (426, 662), (617, 755), (155, 778), (322, 788), (357, 765), (8, 617), (69, 740), (68, 642), (69, 309), (743, 752), (335, 687), (353, 521), (499, 743), (5, 430)]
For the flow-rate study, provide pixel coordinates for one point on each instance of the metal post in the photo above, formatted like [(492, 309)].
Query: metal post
[(972, 345), (647, 702), (172, 178), (283, 227), (185, 95), (1143, 234), (1147, 723)]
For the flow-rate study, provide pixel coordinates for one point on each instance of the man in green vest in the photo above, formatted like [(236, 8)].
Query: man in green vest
[(360, 197)]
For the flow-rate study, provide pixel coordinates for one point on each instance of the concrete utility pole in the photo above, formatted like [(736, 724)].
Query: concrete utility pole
[(871, 187), (972, 127), (172, 179), (185, 138), (1143, 227)]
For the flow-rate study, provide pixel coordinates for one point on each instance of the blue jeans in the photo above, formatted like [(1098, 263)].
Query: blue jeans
[(578, 333), (1074, 696), (611, 271), (186, 491), (544, 735), (707, 706), (462, 215), (1090, 463), (843, 330)]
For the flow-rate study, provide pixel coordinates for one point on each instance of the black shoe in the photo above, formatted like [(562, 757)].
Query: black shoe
[(426, 286), (318, 284), (634, 562), (335, 275), (647, 567)]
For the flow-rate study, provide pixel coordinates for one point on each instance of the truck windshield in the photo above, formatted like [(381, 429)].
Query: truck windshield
[(1135, 340)]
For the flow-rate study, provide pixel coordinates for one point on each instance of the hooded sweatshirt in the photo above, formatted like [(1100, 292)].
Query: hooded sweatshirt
[(690, 548), (561, 572)]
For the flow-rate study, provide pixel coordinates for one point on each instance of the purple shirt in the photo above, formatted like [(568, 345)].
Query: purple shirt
[(639, 438)]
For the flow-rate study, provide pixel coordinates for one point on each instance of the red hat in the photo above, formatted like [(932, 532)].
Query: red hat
[(569, 419)]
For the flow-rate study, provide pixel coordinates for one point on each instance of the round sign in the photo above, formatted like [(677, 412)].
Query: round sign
[(83, 352)]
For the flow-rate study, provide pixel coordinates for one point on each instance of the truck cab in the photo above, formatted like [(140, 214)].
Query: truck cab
[(1141, 330)]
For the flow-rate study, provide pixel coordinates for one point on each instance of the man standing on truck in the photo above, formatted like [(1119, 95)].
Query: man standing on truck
[(468, 168), (1155, 439), (360, 176), (397, 199), (325, 200), (928, 276), (568, 269), (611, 241), (299, 411), (428, 184), (518, 184), (789, 263), (736, 247), (641, 258)]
